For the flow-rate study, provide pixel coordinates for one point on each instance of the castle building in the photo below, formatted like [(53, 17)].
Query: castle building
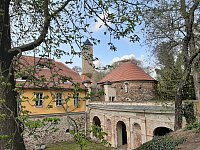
[(128, 82), (126, 109)]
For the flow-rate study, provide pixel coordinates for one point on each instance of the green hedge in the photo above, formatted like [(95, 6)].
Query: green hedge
[(161, 143)]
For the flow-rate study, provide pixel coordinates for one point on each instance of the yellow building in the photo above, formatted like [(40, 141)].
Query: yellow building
[(49, 87)]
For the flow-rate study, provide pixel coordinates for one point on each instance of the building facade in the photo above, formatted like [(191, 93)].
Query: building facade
[(49, 87), (130, 125), (128, 83)]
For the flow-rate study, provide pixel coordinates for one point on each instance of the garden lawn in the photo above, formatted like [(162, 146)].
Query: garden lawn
[(73, 146)]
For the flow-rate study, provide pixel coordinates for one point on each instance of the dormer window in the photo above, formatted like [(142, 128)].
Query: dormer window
[(126, 87), (42, 66), (24, 77)]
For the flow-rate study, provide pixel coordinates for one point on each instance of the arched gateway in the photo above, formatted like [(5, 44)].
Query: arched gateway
[(121, 133), (161, 131), (96, 121)]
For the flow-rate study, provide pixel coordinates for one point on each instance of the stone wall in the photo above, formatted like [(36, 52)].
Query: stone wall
[(140, 123), (130, 91), (136, 90), (43, 137)]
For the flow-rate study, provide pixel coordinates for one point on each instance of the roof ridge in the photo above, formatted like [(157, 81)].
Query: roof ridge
[(127, 71)]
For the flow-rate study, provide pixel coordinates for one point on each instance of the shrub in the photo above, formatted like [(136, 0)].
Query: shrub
[(161, 143), (195, 126)]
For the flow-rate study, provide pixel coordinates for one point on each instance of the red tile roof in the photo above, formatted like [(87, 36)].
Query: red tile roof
[(127, 71), (51, 68), (46, 85)]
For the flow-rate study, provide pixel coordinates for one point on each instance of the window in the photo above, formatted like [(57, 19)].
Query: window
[(43, 65), (58, 99), (76, 100), (126, 87), (39, 99), (24, 77), (113, 99), (67, 131)]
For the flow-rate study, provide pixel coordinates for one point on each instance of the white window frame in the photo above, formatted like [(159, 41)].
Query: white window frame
[(58, 99), (39, 99)]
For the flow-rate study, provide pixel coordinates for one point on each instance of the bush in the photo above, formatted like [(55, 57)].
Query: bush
[(161, 143), (195, 125)]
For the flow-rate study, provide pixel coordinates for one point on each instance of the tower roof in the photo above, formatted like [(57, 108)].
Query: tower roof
[(127, 71), (87, 42)]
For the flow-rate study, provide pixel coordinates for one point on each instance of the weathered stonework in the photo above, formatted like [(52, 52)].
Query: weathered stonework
[(136, 90), (87, 59), (140, 119), (61, 135), (129, 91)]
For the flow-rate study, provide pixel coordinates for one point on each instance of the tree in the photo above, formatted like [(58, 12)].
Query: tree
[(44, 25), (176, 22), (169, 73)]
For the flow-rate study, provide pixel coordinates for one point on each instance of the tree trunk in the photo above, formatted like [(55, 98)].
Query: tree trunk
[(178, 111), (196, 76), (178, 98), (196, 79), (10, 131), (195, 68)]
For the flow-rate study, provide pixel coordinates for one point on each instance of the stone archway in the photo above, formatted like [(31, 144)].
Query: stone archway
[(161, 131), (137, 135), (96, 121), (121, 133)]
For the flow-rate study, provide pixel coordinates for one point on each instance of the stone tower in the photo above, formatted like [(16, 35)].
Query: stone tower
[(87, 58)]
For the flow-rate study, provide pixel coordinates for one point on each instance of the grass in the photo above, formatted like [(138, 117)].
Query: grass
[(73, 146)]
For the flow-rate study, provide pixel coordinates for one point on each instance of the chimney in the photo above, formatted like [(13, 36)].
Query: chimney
[(87, 59)]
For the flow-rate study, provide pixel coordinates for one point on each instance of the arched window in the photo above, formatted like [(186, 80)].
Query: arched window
[(96, 121)]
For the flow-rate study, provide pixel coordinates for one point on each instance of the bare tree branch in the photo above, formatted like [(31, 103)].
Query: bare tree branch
[(193, 57), (47, 20)]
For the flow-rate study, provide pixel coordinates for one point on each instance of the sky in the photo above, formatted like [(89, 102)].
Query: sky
[(125, 50)]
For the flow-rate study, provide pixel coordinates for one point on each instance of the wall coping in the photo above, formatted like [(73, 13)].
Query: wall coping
[(134, 103), (134, 108)]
